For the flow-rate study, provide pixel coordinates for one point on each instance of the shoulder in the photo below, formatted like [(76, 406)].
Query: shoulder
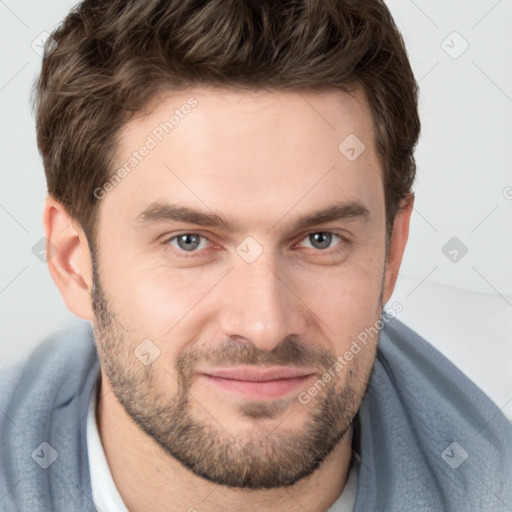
[(43, 400), (57, 361), (427, 383), (441, 433)]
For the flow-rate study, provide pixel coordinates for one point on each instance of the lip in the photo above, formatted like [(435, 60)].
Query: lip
[(258, 383)]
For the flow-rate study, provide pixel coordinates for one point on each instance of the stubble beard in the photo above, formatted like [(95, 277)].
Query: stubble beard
[(251, 460)]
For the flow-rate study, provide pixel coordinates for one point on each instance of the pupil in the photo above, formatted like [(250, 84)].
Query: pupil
[(321, 240), (185, 239)]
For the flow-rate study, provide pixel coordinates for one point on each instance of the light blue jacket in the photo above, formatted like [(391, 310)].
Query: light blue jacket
[(428, 438)]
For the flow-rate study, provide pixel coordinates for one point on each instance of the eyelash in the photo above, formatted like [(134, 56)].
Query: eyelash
[(197, 253)]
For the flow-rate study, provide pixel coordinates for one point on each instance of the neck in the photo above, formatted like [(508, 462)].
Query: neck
[(147, 478)]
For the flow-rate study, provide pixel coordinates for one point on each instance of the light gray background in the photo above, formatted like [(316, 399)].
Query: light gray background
[(463, 187)]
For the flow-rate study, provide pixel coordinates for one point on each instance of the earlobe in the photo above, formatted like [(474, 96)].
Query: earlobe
[(68, 258), (397, 246)]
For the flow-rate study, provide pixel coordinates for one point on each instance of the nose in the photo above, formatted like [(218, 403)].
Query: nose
[(260, 305)]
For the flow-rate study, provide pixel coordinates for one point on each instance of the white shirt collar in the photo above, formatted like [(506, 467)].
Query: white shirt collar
[(105, 495)]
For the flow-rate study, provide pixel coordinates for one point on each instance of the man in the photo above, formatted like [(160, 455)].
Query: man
[(230, 188)]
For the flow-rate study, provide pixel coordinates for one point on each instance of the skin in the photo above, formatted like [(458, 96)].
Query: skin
[(262, 160)]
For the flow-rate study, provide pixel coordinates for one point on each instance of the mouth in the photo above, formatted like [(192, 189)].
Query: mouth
[(258, 383)]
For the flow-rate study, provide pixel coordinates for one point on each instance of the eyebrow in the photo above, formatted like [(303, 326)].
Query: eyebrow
[(158, 212)]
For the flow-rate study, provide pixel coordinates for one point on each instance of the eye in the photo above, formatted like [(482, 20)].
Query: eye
[(188, 242), (322, 239)]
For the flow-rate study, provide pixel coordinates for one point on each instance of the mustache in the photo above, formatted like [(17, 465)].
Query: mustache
[(289, 352)]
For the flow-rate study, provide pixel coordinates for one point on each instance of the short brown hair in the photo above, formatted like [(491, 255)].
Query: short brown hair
[(112, 56)]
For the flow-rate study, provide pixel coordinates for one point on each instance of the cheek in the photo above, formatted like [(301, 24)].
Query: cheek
[(345, 293), (137, 288), (345, 301), (168, 306)]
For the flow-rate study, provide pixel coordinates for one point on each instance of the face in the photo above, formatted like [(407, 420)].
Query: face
[(237, 259)]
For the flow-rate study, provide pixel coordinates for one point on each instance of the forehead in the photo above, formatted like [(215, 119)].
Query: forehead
[(247, 153)]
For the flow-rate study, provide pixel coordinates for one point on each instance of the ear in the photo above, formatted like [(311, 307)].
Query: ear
[(397, 245), (69, 258)]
